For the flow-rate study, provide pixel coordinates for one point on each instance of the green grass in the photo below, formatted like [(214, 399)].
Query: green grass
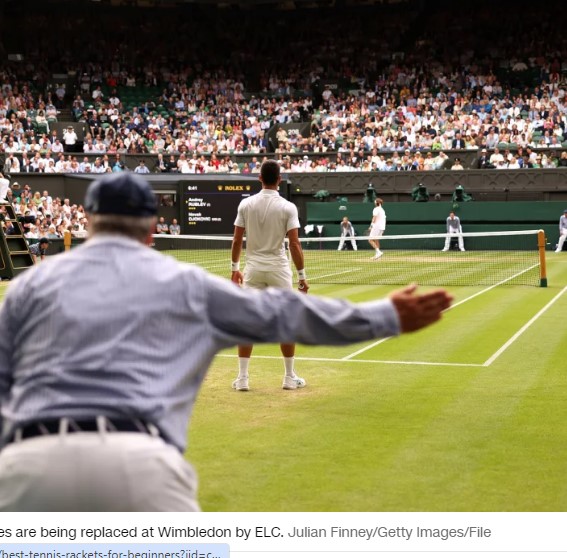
[(416, 423), (378, 433)]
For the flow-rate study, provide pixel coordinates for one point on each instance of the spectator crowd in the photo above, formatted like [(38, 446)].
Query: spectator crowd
[(411, 97), (39, 215)]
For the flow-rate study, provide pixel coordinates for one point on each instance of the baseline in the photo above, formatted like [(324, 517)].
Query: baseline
[(366, 361)]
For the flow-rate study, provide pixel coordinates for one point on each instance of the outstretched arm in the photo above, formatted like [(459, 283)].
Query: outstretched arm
[(283, 316)]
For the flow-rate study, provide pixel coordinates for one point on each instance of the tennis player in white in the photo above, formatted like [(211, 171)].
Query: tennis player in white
[(266, 218), (377, 227)]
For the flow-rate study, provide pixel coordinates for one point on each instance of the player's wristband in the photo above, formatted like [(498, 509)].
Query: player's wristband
[(301, 275), (234, 266)]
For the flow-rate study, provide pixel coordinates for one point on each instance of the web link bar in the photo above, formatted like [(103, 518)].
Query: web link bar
[(101, 550)]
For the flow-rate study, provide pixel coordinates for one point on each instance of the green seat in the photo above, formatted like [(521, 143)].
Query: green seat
[(42, 127)]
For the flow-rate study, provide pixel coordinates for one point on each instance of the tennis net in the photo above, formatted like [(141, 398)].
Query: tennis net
[(506, 257)]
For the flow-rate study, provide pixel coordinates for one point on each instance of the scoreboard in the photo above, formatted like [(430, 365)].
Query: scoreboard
[(209, 206)]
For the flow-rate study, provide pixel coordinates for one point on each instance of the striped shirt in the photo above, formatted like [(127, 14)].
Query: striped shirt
[(115, 328)]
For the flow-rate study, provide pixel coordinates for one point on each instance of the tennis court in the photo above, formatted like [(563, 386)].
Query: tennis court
[(468, 415)]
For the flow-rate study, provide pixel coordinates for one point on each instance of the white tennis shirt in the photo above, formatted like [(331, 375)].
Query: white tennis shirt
[(379, 223), (266, 217)]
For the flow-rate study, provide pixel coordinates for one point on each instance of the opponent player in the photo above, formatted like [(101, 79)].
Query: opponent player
[(377, 227)]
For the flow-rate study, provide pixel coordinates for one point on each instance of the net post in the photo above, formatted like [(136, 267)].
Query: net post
[(67, 240), (542, 265)]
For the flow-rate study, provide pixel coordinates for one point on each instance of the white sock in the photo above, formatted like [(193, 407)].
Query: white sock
[(288, 363), (243, 364)]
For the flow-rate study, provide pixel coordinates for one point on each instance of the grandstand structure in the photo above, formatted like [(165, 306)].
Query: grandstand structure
[(341, 111)]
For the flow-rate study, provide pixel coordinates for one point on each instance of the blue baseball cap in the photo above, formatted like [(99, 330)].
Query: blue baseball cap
[(123, 193)]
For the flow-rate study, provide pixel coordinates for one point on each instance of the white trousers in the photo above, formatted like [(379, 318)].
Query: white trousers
[(347, 237), (453, 234), (561, 240), (95, 471)]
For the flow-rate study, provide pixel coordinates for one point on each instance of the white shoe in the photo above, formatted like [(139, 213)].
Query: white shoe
[(240, 384), (293, 382), (462, 249), (445, 250)]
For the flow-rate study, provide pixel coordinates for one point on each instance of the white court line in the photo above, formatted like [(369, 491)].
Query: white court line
[(421, 363), (408, 362), (333, 274), (367, 348), (524, 328), (376, 343)]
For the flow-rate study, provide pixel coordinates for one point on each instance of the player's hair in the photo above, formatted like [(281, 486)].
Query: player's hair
[(378, 201), (124, 225), (270, 172)]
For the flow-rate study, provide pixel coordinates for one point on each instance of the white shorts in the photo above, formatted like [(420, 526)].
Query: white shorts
[(261, 279), (376, 233)]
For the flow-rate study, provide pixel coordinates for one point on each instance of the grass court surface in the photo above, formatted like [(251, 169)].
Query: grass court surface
[(467, 415)]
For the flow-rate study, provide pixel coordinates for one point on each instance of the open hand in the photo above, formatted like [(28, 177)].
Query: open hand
[(419, 310)]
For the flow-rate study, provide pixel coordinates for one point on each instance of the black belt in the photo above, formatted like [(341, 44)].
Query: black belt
[(72, 426)]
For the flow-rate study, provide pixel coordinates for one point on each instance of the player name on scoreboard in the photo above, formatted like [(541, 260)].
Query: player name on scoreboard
[(211, 205)]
